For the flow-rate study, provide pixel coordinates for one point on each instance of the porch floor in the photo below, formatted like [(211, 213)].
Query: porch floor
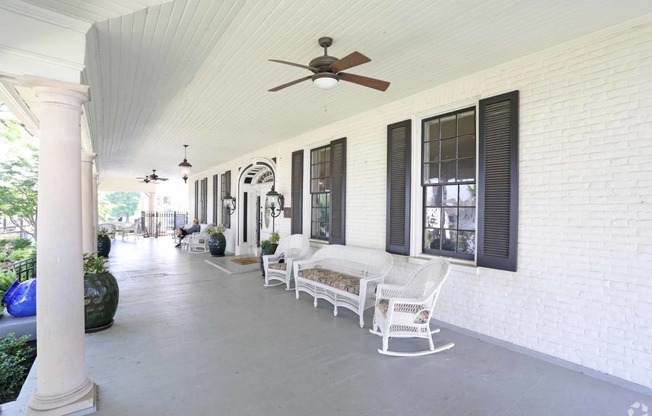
[(191, 340)]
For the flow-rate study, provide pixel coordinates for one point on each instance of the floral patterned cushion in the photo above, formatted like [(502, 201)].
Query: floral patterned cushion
[(278, 266), (422, 317), (337, 280)]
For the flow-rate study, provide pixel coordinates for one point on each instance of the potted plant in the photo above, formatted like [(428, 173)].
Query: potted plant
[(268, 247), (101, 294), (216, 240), (103, 242)]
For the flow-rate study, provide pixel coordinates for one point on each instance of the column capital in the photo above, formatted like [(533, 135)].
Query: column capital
[(48, 91), (88, 156)]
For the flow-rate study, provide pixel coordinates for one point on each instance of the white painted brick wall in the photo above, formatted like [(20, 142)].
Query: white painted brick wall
[(583, 289)]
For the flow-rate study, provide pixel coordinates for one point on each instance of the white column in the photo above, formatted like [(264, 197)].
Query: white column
[(89, 232), (152, 210), (96, 215), (62, 384)]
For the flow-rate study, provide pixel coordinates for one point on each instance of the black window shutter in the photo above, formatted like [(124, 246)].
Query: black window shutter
[(338, 192), (498, 182), (296, 201), (399, 136), (196, 199)]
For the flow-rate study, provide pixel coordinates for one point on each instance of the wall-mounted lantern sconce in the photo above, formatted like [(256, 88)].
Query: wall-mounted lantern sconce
[(275, 202), (229, 203), (185, 166)]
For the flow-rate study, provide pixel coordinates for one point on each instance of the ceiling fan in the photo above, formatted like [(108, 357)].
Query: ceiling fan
[(327, 70), (151, 178)]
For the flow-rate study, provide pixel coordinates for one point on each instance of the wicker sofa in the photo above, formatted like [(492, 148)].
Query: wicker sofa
[(343, 275)]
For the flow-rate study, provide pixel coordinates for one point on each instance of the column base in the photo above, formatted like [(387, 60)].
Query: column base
[(60, 406)]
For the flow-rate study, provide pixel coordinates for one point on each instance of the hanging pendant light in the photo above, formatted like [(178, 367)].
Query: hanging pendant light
[(185, 166)]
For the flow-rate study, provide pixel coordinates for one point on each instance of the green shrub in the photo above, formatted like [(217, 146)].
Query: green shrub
[(20, 243), (4, 243), (6, 279), (15, 360), (20, 254)]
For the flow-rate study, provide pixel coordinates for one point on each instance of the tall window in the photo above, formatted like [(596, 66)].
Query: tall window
[(320, 164), (449, 184), (203, 211)]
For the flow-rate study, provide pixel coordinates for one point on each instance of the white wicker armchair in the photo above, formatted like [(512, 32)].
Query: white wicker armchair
[(294, 247), (198, 242), (132, 230), (405, 311)]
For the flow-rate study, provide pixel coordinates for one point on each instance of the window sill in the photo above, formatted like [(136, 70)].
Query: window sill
[(422, 258)]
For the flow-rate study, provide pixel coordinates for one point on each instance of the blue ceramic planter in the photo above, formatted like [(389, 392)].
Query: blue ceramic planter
[(20, 298)]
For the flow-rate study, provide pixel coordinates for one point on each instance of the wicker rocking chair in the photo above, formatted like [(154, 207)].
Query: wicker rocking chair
[(405, 311)]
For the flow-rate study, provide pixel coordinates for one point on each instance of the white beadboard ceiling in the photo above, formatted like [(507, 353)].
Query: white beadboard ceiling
[(163, 74)]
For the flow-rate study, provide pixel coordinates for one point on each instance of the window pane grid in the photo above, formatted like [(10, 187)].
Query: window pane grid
[(448, 174), (320, 192)]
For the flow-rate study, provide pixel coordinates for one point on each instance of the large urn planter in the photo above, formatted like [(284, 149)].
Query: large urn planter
[(265, 250), (268, 247), (101, 295), (103, 245), (217, 244)]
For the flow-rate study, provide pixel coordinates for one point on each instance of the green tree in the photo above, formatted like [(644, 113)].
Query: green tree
[(19, 176), (104, 208), (125, 204)]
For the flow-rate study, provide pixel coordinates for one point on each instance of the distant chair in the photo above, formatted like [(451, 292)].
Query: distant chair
[(131, 231), (197, 242), (404, 311), (278, 266)]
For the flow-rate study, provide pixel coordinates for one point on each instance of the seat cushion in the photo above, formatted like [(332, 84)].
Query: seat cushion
[(278, 266), (333, 279), (421, 317)]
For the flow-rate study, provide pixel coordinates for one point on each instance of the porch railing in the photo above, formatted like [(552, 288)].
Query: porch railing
[(24, 270), (162, 223)]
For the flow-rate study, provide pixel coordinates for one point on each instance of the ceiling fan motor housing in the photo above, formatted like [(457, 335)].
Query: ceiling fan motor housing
[(323, 63)]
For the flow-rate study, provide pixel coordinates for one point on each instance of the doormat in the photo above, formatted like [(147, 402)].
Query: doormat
[(233, 264), (243, 261)]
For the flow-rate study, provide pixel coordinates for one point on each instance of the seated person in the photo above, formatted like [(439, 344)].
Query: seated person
[(183, 232)]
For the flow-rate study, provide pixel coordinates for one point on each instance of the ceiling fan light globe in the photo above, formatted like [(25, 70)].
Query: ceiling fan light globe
[(325, 81)]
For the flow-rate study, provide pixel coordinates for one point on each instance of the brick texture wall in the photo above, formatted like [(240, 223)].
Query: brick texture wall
[(583, 289)]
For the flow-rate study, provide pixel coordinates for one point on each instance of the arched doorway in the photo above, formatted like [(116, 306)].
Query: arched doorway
[(255, 222)]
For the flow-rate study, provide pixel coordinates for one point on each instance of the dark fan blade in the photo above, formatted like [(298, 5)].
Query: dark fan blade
[(296, 81), (365, 81), (161, 179), (309, 68), (349, 61)]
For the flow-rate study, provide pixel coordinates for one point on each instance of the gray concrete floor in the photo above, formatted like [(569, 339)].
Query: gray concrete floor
[(189, 340)]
